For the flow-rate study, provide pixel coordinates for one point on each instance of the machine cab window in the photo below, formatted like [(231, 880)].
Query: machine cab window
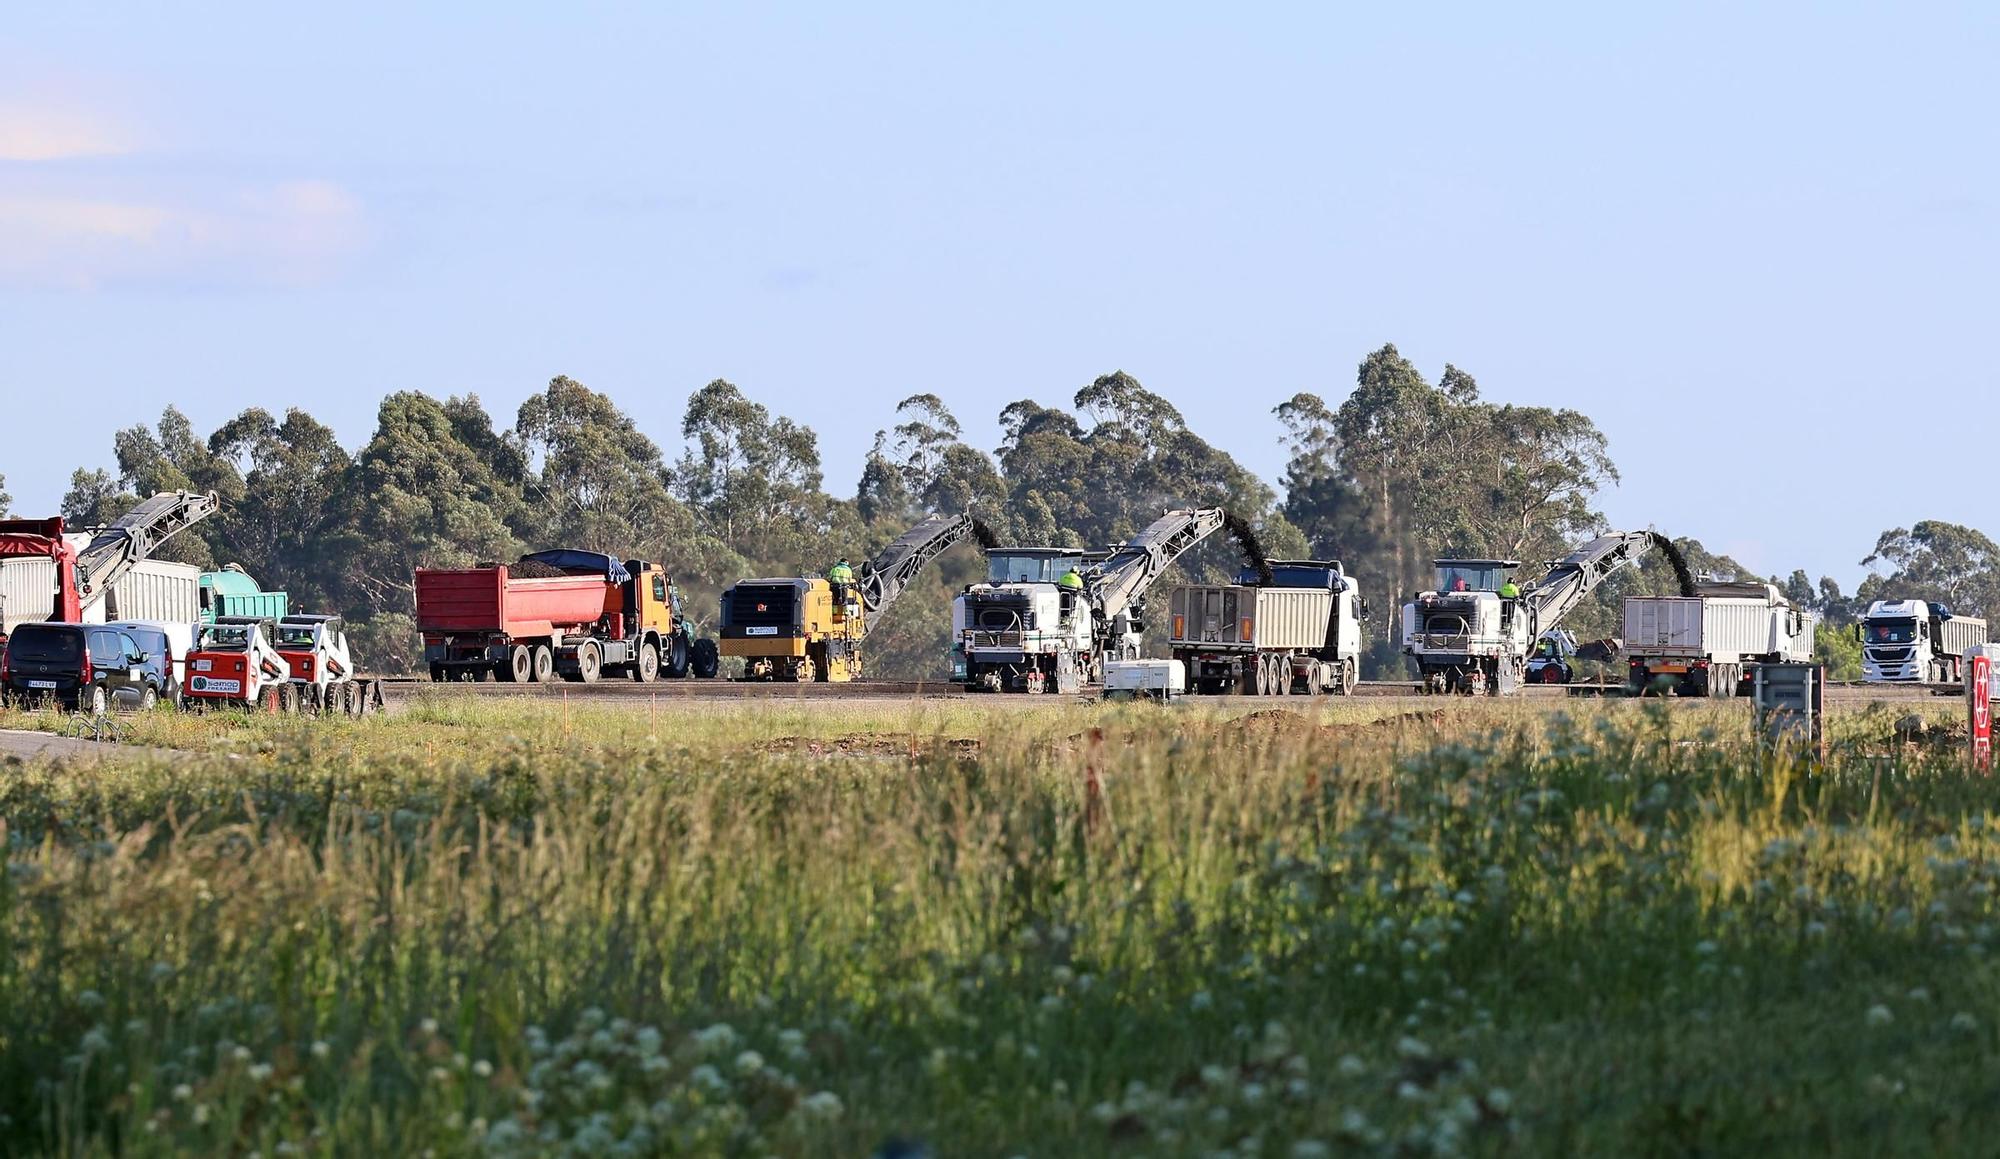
[(1031, 566), (1473, 575)]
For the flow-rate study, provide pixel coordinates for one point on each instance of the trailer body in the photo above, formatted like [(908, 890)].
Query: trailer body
[(1300, 633), (231, 592), (1710, 644)]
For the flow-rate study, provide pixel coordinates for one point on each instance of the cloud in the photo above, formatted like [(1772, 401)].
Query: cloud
[(31, 132), (279, 233)]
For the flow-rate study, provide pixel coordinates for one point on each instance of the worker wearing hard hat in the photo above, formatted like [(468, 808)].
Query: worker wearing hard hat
[(1509, 594)]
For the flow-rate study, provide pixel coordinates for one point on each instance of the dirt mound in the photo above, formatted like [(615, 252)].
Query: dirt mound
[(874, 746), (534, 569)]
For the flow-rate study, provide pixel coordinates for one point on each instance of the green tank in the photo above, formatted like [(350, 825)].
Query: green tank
[(231, 592)]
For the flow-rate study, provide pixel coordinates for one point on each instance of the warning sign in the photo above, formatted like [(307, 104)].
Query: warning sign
[(1980, 696)]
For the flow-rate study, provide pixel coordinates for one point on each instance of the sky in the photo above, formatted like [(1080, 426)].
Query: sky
[(1754, 243)]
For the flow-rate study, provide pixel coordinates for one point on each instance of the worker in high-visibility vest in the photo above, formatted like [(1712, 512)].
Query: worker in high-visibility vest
[(1509, 594), (1071, 587), (841, 578)]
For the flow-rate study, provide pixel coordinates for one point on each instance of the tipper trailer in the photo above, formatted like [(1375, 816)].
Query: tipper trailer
[(1710, 644), (581, 614), (1911, 641), (1299, 633)]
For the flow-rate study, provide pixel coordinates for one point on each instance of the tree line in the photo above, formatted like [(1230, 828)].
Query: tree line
[(1400, 470)]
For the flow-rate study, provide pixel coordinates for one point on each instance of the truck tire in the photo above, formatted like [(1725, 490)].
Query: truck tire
[(1350, 676), (589, 663), (520, 667), (437, 673), (646, 668), (544, 665), (706, 658), (677, 660)]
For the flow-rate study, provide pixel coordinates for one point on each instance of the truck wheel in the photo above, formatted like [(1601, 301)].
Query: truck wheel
[(149, 698), (589, 663), (706, 658), (545, 665), (1350, 676), (646, 668), (437, 673), (678, 659), (520, 667)]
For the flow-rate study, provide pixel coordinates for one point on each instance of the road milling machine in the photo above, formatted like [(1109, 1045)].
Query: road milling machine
[(809, 628), (1466, 637), (1021, 631)]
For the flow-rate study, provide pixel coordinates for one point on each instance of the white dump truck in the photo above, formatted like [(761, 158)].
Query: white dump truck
[(1710, 644), (1299, 630), (1911, 641)]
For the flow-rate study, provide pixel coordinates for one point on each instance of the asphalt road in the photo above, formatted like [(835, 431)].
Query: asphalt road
[(25, 745)]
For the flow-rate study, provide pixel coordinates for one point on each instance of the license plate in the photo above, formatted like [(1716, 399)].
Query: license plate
[(203, 665), (41, 684), (211, 684), (760, 631)]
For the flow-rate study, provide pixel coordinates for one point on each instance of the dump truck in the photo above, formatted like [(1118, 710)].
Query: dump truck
[(1465, 637), (48, 572), (1912, 641), (1711, 643), (808, 628), (231, 592), (1020, 631), (1300, 632), (577, 614)]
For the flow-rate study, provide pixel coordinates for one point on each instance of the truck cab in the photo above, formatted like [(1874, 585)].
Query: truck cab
[(1019, 630), (1914, 641)]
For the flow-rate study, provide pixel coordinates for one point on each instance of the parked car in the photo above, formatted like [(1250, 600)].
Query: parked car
[(83, 666), (164, 638)]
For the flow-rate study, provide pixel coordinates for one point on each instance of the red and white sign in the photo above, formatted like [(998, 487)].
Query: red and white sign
[(1980, 695)]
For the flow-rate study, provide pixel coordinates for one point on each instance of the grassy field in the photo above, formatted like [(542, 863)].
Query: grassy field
[(1476, 928)]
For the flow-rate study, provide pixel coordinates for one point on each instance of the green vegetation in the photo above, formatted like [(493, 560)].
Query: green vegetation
[(1396, 470), (801, 929)]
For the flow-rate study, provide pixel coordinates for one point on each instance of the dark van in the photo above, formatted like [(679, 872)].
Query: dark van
[(81, 666)]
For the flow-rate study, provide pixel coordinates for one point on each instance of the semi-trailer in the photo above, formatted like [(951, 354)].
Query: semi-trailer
[(1911, 641), (580, 614), (1711, 643), (1300, 632)]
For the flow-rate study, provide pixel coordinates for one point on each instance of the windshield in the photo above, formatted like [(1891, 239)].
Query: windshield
[(1005, 568), (226, 638), (300, 635), (46, 645), (1465, 577), (1892, 631)]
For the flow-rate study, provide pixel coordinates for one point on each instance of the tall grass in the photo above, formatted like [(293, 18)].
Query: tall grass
[(478, 928)]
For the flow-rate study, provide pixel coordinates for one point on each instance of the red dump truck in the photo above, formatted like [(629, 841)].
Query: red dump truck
[(580, 614)]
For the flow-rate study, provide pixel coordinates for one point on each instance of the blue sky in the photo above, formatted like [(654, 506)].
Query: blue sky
[(1756, 246)]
